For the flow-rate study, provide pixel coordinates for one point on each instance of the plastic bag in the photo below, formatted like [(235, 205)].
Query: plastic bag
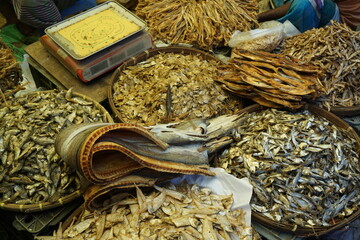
[(265, 38)]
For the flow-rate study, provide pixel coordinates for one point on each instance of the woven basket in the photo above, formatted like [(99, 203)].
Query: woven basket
[(145, 55), (28, 208), (304, 231), (345, 111)]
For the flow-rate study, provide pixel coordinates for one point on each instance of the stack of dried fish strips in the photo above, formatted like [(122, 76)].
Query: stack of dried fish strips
[(33, 177), (336, 49), (304, 169), (204, 23), (171, 87), (270, 79), (10, 73), (173, 212)]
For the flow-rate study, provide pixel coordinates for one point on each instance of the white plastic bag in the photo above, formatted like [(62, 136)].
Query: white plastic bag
[(266, 38)]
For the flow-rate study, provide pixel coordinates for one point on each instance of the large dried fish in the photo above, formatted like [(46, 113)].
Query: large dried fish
[(172, 212), (336, 49), (142, 93), (270, 79), (304, 169), (204, 23)]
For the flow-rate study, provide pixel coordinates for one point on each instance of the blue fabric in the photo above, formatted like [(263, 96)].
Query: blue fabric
[(304, 16)]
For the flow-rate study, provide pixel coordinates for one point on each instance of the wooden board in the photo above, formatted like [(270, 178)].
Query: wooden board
[(96, 89)]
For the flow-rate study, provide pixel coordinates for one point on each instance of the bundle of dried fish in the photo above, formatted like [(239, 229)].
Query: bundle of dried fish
[(270, 79), (10, 73), (171, 87), (336, 49), (31, 172), (304, 169), (203, 23), (172, 212)]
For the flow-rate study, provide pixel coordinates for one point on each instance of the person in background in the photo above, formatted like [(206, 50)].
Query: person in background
[(40, 14), (308, 14)]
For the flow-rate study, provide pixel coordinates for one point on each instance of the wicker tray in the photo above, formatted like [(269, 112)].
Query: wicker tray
[(147, 54), (28, 208), (315, 231)]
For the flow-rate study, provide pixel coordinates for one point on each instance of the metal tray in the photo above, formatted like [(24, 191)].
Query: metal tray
[(95, 29)]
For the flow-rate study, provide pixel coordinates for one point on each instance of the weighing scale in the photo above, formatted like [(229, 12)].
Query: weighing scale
[(103, 61), (97, 40)]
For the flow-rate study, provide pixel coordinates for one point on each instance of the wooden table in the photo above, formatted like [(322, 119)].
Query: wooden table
[(43, 62)]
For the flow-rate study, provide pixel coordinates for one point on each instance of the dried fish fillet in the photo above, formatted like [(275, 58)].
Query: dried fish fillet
[(269, 79)]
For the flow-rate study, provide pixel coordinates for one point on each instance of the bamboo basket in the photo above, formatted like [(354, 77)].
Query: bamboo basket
[(318, 230), (28, 208), (147, 54)]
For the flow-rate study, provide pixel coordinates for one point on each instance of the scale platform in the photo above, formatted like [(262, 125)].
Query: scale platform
[(103, 61)]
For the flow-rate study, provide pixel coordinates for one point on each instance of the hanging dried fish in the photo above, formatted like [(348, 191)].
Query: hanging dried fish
[(270, 79), (203, 23), (172, 212), (304, 169), (336, 49), (142, 93)]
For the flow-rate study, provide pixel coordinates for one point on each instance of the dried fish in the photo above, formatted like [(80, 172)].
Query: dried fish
[(172, 212), (31, 169), (270, 79), (203, 23), (336, 49), (142, 93), (304, 169)]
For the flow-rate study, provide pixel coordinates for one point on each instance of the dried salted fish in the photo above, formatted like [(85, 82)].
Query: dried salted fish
[(304, 169), (140, 95), (270, 79), (204, 23), (31, 171), (336, 49), (171, 212)]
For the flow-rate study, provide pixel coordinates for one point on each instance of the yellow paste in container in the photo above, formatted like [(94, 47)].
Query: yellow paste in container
[(96, 32)]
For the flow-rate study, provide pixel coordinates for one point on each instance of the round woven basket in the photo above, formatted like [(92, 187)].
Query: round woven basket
[(319, 230), (145, 55), (345, 111), (28, 208)]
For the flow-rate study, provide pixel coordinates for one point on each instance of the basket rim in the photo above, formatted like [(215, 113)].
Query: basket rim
[(142, 57), (29, 208), (316, 230)]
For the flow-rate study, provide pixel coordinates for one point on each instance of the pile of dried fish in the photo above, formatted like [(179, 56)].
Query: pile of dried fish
[(10, 73), (304, 169), (203, 23), (174, 212), (270, 79), (31, 171), (171, 87), (336, 49)]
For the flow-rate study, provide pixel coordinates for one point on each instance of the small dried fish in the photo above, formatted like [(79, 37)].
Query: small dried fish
[(336, 49), (304, 169), (32, 172)]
